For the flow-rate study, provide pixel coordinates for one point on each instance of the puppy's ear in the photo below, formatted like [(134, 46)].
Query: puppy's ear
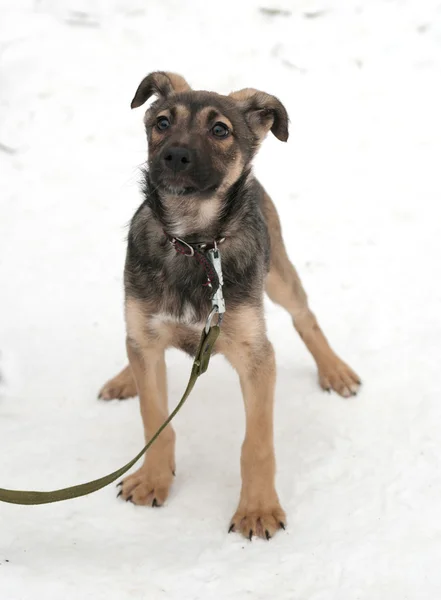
[(161, 84), (263, 112)]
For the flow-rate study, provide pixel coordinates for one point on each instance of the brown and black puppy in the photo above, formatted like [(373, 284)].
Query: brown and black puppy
[(199, 186)]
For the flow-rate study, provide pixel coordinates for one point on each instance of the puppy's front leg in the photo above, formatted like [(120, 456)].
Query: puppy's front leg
[(150, 485), (252, 355)]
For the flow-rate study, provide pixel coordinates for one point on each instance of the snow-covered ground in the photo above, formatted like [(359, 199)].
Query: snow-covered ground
[(358, 189)]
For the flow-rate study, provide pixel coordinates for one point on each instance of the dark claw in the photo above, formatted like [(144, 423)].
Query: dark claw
[(129, 499), (250, 537), (231, 528), (328, 390), (155, 503), (354, 393), (282, 525), (174, 473), (119, 484), (267, 535), (119, 494)]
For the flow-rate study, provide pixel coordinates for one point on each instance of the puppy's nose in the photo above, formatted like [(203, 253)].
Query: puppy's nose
[(177, 159)]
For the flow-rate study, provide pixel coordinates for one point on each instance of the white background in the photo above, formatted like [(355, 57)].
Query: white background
[(358, 189)]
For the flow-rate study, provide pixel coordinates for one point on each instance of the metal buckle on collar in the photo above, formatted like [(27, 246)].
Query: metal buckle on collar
[(173, 241), (201, 246), (212, 245)]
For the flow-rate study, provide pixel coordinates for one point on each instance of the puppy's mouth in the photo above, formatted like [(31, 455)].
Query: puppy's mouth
[(184, 189), (180, 185), (179, 190)]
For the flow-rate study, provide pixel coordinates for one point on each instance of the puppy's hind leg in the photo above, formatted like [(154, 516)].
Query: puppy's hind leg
[(284, 287), (120, 387)]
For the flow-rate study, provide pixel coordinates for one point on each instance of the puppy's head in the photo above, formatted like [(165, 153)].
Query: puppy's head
[(201, 142)]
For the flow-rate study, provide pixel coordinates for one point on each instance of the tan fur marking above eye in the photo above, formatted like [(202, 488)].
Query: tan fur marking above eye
[(203, 114), (163, 113), (150, 119)]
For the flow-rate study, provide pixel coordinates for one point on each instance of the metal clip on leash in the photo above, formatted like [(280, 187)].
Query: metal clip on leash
[(217, 302)]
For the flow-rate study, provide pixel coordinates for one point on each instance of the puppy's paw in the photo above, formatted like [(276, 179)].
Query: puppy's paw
[(120, 387), (336, 375), (146, 488), (263, 523)]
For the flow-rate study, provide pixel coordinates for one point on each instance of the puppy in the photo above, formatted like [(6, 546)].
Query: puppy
[(199, 187)]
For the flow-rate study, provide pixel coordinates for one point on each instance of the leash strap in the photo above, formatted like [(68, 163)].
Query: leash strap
[(200, 365)]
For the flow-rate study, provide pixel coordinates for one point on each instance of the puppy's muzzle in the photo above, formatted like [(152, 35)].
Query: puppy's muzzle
[(177, 159)]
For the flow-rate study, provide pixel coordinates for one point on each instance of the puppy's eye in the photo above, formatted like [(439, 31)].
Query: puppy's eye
[(162, 123), (220, 130)]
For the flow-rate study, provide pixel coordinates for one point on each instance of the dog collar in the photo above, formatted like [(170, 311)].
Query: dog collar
[(208, 256), (189, 248)]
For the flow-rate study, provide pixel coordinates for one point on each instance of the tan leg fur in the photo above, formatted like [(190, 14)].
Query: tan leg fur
[(151, 483), (284, 287), (244, 343), (121, 387)]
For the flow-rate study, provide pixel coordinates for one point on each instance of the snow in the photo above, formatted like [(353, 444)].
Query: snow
[(357, 188)]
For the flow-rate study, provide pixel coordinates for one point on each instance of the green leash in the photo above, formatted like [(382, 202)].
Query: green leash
[(200, 365)]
